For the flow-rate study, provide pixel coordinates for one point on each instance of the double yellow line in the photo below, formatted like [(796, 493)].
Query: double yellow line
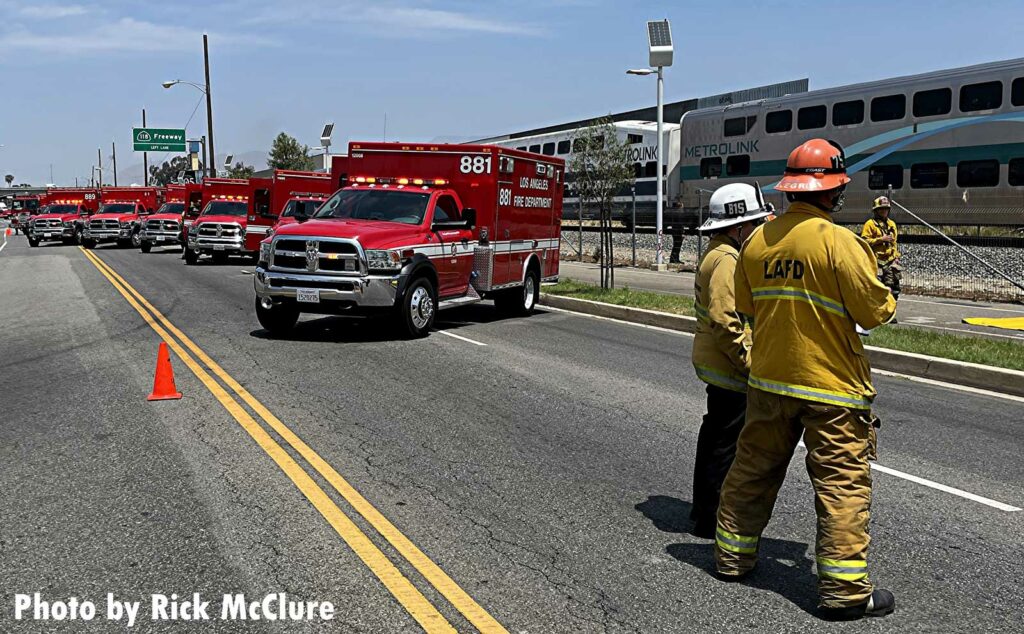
[(421, 609)]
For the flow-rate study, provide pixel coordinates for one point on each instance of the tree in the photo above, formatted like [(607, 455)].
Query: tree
[(601, 168), (286, 153), (160, 175), (9, 178), (241, 170)]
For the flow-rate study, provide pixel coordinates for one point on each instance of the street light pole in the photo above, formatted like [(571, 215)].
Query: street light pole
[(658, 218), (209, 108), (145, 157)]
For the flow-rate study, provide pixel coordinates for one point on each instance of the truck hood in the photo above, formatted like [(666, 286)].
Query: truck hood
[(164, 217), (61, 217), (225, 219), (370, 233), (118, 217)]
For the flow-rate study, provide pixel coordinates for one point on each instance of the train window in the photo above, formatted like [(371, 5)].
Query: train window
[(738, 165), (778, 121), (984, 173), (634, 139), (710, 167), (577, 145), (563, 147), (535, 149), (848, 113), (521, 147), (929, 103), (739, 126), (984, 96), (651, 169), (884, 176), (811, 117), (638, 170), (1017, 92), (1016, 172), (889, 108), (929, 175), (549, 149), (599, 141)]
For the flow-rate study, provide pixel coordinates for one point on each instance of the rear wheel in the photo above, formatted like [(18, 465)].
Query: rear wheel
[(191, 256), (520, 301), (145, 246), (419, 305), (136, 239), (279, 319)]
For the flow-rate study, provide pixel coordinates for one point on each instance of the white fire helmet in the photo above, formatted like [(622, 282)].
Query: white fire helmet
[(734, 204)]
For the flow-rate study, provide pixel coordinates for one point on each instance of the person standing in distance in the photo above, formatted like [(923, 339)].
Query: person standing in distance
[(721, 346), (807, 283), (880, 233)]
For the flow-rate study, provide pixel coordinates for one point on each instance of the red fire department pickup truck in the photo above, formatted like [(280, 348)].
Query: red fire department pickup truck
[(219, 230), (164, 228), (291, 193), (120, 218), (419, 228), (22, 209), (64, 212)]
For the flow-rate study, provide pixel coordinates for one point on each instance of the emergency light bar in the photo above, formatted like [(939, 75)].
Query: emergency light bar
[(372, 180)]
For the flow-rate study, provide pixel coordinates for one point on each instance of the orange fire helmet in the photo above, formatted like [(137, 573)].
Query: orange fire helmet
[(817, 165)]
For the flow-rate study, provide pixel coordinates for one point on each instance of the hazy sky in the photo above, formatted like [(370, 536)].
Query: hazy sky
[(75, 76)]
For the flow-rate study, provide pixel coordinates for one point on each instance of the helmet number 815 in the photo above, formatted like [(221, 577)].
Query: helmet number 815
[(475, 164)]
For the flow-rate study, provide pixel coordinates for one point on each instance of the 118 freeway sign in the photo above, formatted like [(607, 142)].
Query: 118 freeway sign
[(158, 140)]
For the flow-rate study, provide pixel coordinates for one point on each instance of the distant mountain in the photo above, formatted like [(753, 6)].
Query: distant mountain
[(132, 174)]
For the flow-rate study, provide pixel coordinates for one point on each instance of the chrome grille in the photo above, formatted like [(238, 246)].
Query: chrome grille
[(48, 223), (219, 230), (108, 223), (163, 225), (330, 256)]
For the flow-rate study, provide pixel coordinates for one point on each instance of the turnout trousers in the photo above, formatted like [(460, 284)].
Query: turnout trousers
[(840, 442), (889, 275), (716, 448)]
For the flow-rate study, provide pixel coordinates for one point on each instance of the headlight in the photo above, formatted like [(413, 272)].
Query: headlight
[(265, 248), (68, 224), (383, 260), (125, 224)]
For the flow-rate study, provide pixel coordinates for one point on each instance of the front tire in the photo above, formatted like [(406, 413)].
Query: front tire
[(521, 301), (191, 256), (146, 247), (33, 242), (136, 240), (418, 308), (279, 319)]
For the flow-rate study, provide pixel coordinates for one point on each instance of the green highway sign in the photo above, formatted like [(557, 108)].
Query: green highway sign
[(158, 140)]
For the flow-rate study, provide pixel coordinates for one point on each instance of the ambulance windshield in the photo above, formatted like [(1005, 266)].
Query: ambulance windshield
[(376, 204)]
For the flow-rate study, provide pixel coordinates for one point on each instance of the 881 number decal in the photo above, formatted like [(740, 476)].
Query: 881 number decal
[(475, 165)]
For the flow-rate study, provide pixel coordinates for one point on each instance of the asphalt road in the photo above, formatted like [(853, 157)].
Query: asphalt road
[(543, 464), (931, 313)]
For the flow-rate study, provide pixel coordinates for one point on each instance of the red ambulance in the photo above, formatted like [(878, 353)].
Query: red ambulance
[(120, 216), (419, 228), (291, 194), (63, 214)]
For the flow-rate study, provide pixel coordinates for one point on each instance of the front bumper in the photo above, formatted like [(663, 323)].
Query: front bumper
[(52, 233), (107, 235), (160, 238), (359, 291), (216, 245)]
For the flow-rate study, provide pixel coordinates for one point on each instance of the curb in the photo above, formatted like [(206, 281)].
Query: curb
[(975, 375)]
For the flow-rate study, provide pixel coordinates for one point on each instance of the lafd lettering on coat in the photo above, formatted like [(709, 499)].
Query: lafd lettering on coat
[(792, 269)]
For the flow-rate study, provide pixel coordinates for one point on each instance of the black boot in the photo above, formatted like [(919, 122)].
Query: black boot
[(881, 603)]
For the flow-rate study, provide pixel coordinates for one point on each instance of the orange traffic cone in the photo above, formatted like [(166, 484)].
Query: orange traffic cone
[(163, 383)]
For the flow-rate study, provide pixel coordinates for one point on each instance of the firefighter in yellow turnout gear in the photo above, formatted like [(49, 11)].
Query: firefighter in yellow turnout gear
[(806, 282), (881, 235), (721, 347)]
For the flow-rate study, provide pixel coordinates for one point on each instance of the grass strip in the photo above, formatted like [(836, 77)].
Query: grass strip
[(1001, 354)]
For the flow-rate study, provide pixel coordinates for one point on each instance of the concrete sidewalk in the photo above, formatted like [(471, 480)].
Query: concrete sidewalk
[(932, 313)]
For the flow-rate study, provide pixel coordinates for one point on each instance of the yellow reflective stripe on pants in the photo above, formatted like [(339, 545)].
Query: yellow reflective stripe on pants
[(806, 393), (799, 294), (735, 543), (718, 379), (849, 570)]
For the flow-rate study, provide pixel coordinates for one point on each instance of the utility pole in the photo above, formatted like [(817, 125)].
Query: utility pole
[(99, 165), (212, 171), (113, 157), (51, 172), (145, 156)]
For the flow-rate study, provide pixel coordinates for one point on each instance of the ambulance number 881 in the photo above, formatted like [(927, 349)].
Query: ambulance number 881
[(475, 165)]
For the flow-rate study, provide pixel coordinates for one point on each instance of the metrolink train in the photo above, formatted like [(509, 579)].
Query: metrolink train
[(949, 143)]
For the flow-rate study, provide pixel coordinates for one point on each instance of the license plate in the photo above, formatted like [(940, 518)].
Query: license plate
[(47, 235), (218, 247), (307, 295), (159, 238)]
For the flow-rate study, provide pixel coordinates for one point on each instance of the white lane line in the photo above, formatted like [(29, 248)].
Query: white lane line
[(940, 487), (617, 321), (460, 337), (5, 239), (951, 386), (965, 330), (958, 305)]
